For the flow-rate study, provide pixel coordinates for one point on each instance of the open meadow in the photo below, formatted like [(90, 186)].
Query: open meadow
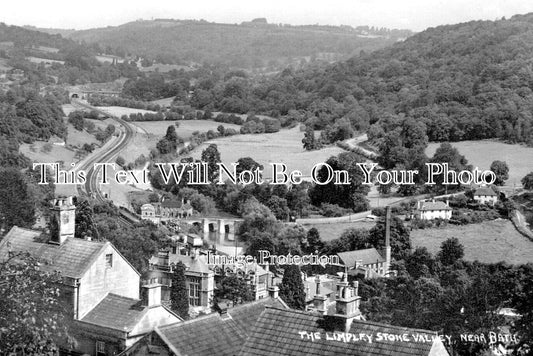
[(490, 241), (519, 158), (284, 146), (186, 127)]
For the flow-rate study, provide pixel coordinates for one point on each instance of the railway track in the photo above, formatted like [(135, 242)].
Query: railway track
[(107, 156)]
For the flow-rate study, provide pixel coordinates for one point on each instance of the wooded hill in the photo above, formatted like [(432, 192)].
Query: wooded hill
[(248, 45), (467, 81)]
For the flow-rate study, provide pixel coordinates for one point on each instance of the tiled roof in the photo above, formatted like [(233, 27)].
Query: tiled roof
[(117, 312), (367, 256), (193, 264), (434, 205), (484, 191), (215, 334), (72, 258), (276, 333)]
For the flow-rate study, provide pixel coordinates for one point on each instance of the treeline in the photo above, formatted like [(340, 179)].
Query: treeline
[(102, 100)]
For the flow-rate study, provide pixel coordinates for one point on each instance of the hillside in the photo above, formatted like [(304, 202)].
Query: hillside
[(250, 44), (468, 81)]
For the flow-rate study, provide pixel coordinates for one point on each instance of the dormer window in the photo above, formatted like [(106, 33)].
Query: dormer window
[(109, 260)]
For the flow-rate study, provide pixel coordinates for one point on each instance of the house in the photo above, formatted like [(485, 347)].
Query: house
[(280, 331), (370, 262), (199, 277), (429, 210), (319, 293), (166, 210), (99, 285), (485, 195), (221, 334)]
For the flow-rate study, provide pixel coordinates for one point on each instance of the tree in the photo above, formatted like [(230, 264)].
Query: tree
[(179, 296), (211, 156), (235, 289), (120, 161), (313, 243), (85, 225), (527, 181), (291, 289), (33, 316), (450, 251), (17, 202), (501, 170), (309, 140)]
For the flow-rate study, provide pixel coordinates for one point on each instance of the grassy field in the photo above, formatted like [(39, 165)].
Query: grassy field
[(284, 146), (483, 153), (490, 241), (186, 128)]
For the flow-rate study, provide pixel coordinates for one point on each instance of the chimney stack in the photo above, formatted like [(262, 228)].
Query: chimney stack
[(151, 295), (319, 301), (62, 225), (386, 268), (273, 291), (347, 305)]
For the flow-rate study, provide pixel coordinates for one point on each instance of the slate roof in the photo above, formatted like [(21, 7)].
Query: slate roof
[(484, 191), (72, 258), (216, 334), (434, 205), (276, 333), (117, 312), (193, 264), (367, 256), (325, 288)]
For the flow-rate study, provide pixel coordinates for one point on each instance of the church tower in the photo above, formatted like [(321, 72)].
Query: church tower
[(62, 224)]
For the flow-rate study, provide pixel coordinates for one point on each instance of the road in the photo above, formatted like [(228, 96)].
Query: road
[(107, 155)]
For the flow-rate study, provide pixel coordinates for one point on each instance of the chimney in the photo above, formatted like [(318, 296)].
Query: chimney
[(62, 224), (347, 305), (273, 291), (151, 295), (386, 267), (319, 301)]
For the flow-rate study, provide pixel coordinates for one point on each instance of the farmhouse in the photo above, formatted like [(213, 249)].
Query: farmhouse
[(429, 210), (485, 195), (99, 286)]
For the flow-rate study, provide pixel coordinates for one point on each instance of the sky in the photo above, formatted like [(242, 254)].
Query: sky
[(415, 15)]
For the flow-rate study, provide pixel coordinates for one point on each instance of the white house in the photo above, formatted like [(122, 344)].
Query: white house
[(429, 210), (485, 195)]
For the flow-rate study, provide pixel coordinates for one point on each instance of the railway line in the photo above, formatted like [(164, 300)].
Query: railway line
[(107, 156)]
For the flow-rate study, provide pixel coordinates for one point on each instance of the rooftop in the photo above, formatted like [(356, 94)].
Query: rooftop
[(72, 258), (216, 334), (366, 256), (278, 332), (434, 205), (484, 191)]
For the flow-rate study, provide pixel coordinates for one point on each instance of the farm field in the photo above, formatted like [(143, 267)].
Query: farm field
[(120, 110), (284, 146), (78, 138), (490, 241), (186, 128), (483, 153)]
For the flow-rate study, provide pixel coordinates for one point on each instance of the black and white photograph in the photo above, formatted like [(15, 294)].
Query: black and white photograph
[(266, 178)]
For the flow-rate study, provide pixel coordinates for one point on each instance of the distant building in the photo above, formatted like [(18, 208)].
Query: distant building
[(369, 262), (485, 195), (100, 286), (167, 209), (429, 210)]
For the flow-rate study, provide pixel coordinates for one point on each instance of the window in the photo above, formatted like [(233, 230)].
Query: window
[(109, 260), (194, 291), (100, 348)]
